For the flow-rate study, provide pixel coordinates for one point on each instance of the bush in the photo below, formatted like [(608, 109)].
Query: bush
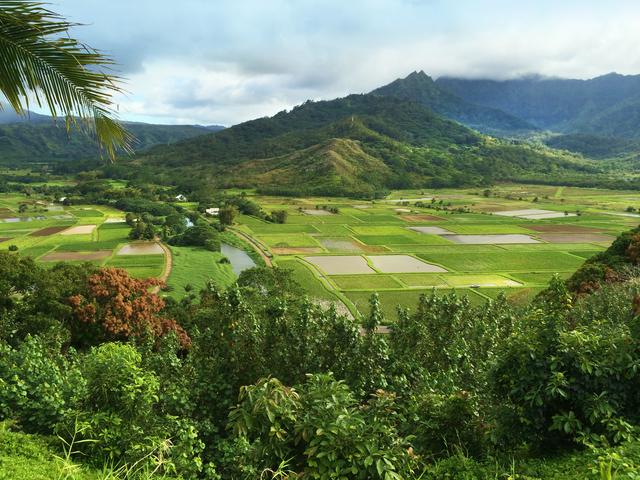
[(38, 386)]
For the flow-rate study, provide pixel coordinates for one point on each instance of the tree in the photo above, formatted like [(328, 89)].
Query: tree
[(278, 216), (130, 218), (39, 57), (118, 307), (227, 214)]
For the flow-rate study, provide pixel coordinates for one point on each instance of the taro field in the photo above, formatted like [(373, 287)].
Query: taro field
[(53, 233), (510, 239)]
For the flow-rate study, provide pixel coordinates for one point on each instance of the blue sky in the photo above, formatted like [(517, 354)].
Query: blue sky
[(219, 61)]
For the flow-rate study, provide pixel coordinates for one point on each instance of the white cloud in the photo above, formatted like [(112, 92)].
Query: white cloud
[(232, 60)]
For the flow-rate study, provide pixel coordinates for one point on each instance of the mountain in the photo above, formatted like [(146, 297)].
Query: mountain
[(419, 87), (357, 145), (38, 138), (8, 115), (608, 105)]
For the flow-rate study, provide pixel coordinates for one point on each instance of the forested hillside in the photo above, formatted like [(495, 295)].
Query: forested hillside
[(608, 105), (42, 140), (420, 88), (358, 145)]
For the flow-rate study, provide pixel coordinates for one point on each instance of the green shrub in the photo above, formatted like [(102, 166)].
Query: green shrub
[(38, 386)]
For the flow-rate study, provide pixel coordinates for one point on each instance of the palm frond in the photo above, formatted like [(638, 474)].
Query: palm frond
[(39, 58)]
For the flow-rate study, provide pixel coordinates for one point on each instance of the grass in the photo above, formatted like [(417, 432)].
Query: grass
[(539, 278), (387, 239), (285, 228), (421, 279), (32, 457), (306, 278), (360, 282), (289, 240), (195, 267), (139, 266), (505, 261), (487, 229), (483, 279)]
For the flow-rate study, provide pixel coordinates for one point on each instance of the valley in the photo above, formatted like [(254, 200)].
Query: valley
[(508, 240)]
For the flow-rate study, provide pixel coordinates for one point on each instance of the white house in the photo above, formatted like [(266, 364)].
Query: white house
[(181, 198), (214, 211)]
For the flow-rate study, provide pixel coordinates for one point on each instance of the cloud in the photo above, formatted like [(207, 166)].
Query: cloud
[(228, 61)]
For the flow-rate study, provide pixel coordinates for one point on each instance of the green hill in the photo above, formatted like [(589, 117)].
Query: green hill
[(419, 87), (356, 145), (46, 141)]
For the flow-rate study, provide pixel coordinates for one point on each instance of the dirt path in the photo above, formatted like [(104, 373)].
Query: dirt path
[(252, 242), (168, 265)]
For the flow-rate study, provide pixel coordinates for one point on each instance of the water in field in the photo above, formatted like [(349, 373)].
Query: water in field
[(240, 260)]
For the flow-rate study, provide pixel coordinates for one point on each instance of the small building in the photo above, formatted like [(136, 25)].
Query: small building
[(181, 198), (214, 211)]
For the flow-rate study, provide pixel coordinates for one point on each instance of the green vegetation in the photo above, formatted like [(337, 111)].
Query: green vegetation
[(360, 145), (194, 267)]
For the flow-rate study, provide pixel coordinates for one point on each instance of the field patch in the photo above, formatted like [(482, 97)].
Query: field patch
[(340, 244), (386, 239), (491, 229), (306, 278), (295, 250), (490, 239), (559, 228), (365, 282), (139, 266), (292, 240), (403, 264), (280, 228), (423, 217), (146, 248), (539, 278), (317, 212), (485, 280), (87, 212), (76, 256), (422, 280), (431, 230), (341, 264), (45, 232), (534, 214), (506, 261), (79, 230), (575, 237)]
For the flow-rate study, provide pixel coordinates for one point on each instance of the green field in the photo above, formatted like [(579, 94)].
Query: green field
[(360, 229), (194, 267), (482, 271), (39, 231)]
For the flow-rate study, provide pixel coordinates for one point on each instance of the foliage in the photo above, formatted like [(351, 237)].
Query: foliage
[(359, 145), (200, 235), (37, 385), (116, 306), (322, 429), (40, 58)]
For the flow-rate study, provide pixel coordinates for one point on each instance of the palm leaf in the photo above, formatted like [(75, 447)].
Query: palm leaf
[(39, 59)]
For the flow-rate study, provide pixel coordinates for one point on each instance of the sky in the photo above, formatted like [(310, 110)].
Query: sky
[(227, 61)]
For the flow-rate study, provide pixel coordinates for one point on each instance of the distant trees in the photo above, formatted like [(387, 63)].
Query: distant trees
[(142, 231), (200, 235), (227, 215), (278, 216)]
